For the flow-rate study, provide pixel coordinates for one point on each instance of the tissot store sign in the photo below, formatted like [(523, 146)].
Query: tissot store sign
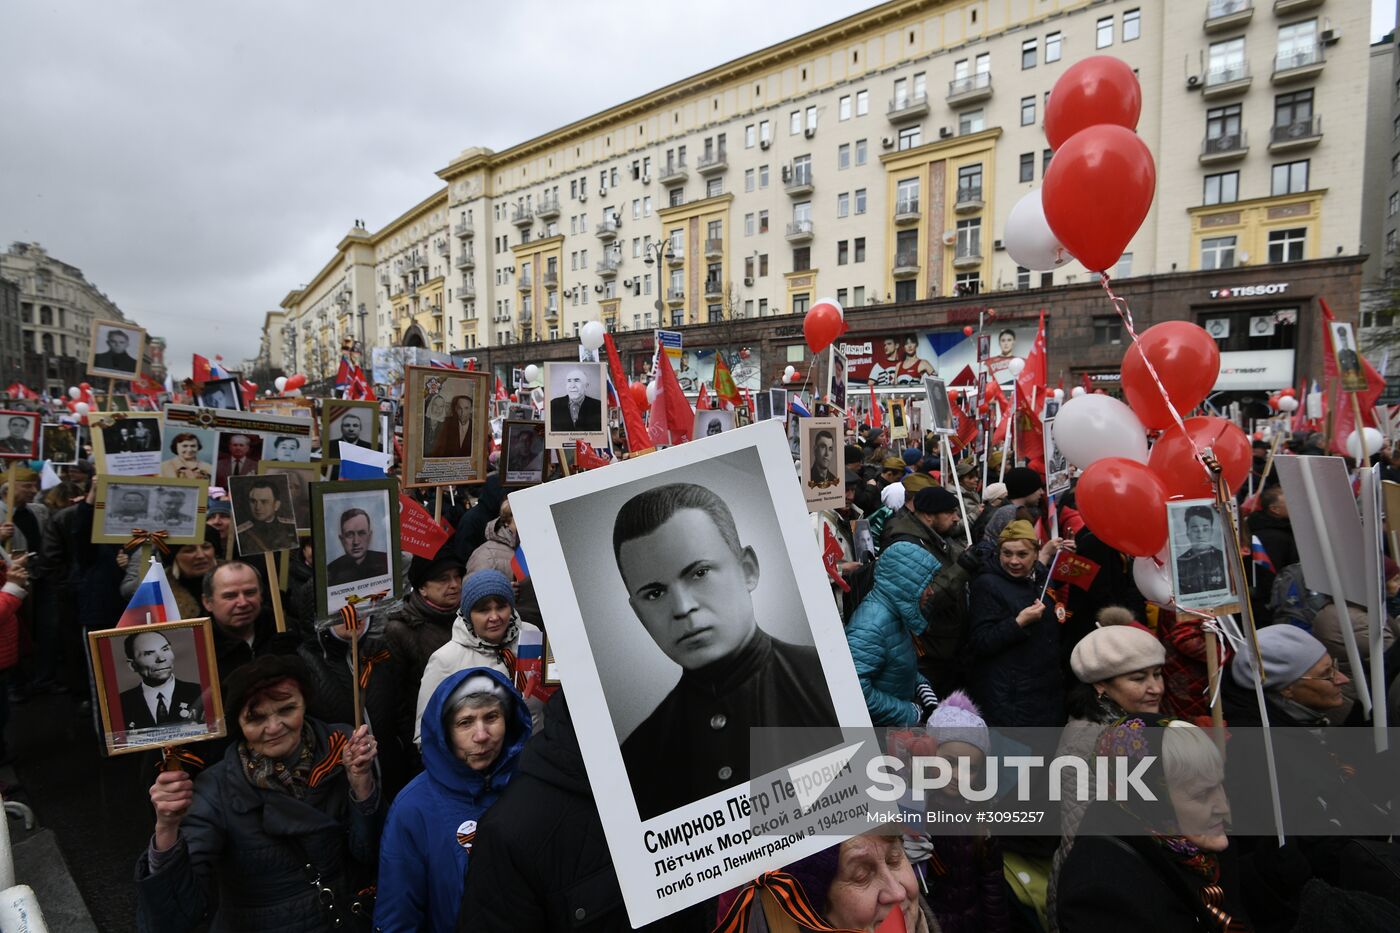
[(1255, 369), (1250, 291)]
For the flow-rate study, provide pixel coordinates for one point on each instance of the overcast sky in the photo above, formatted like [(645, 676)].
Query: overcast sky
[(199, 161)]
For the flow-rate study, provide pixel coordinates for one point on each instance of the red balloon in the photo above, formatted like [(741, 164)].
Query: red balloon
[(295, 381), (1187, 361), (1124, 504), (86, 387), (822, 325), (1097, 192), (745, 353), (1174, 460), (1099, 89), (967, 331), (639, 395)]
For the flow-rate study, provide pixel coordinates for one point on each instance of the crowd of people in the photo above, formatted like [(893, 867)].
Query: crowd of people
[(461, 801)]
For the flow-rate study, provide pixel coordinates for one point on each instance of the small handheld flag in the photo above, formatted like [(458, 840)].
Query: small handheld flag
[(1259, 555), (153, 598)]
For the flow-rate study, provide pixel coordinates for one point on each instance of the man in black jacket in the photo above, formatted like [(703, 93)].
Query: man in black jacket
[(540, 860), (242, 629), (1271, 525)]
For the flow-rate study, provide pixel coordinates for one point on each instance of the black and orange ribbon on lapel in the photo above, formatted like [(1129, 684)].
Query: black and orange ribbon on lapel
[(337, 743), (140, 536), (787, 893)]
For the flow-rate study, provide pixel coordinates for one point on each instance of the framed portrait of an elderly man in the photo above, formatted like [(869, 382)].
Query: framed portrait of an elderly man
[(712, 421), (355, 423), (300, 476), (115, 350), (446, 429), (524, 455), (126, 443), (156, 685), (573, 408), (19, 439), (59, 444), (820, 466), (355, 534), (223, 394), (262, 513), (172, 508), (1199, 557), (704, 653)]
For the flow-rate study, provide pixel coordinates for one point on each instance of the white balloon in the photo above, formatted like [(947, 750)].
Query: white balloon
[(532, 374), (652, 390), (1060, 395), (1153, 582), (1076, 392), (75, 393), (280, 382), (1028, 238), (1374, 440), (82, 408), (1015, 365), (1092, 427), (1287, 403), (789, 372), (834, 303), (591, 335)]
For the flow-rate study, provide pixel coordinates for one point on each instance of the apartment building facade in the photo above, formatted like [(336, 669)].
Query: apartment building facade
[(875, 159)]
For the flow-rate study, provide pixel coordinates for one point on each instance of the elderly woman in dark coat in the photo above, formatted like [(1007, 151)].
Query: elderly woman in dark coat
[(232, 849)]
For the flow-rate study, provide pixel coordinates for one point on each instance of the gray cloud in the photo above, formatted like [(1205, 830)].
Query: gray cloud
[(198, 162)]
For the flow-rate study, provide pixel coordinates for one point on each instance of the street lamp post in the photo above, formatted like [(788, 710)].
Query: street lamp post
[(655, 253)]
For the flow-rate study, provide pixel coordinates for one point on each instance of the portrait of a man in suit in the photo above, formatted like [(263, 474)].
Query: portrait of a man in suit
[(454, 435), (238, 458), (160, 699), (576, 411), (358, 562), (19, 440), (117, 356), (351, 430)]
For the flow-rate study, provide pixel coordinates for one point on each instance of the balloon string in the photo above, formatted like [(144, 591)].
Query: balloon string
[(1126, 314)]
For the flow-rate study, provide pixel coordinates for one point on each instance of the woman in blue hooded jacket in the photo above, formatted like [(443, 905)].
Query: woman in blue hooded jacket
[(880, 636), (473, 729)]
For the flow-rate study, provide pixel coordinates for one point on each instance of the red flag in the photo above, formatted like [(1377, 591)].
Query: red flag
[(831, 557), (250, 391), (471, 365), (877, 419), (501, 390), (419, 535), (680, 417), (1086, 382), (1345, 420), (586, 458), (966, 426), (145, 385), (1030, 384), (702, 402), (1075, 570), (966, 377), (16, 390), (201, 372), (637, 438), (726, 390)]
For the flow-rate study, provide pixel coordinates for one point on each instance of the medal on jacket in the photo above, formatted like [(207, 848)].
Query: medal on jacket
[(466, 833)]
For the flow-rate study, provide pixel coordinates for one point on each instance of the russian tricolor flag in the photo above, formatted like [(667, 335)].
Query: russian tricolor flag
[(152, 598), (798, 408), (1260, 556), (518, 565)]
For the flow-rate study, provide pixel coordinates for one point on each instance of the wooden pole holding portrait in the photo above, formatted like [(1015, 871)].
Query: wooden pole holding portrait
[(275, 590)]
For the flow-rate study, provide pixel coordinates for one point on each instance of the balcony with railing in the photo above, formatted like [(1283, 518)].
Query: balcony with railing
[(384, 277), (797, 179), (551, 311), (1298, 63), (1298, 134), (675, 296), (969, 199), (550, 280), (607, 230), (674, 172), (548, 208), (906, 211), (714, 288), (1227, 14), (906, 264), (799, 231), (522, 216), (968, 255), (524, 283), (442, 247), (714, 247), (970, 90), (464, 228), (421, 259), (466, 292), (1224, 147), (712, 162), (675, 256), (1289, 7), (467, 260), (607, 268), (398, 290), (413, 288), (436, 310), (907, 108), (1225, 80)]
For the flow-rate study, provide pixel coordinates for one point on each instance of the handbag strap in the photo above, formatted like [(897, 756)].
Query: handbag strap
[(325, 894)]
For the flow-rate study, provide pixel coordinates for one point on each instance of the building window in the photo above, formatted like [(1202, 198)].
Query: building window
[(1218, 252), (1028, 111), (862, 150), (1028, 166), (970, 183), (1103, 33), (762, 265), (858, 249), (843, 297), (1290, 178), (843, 204), (762, 221), (1045, 161), (714, 187), (1108, 329), (862, 103), (860, 200), (971, 121), (799, 305), (1394, 206), (801, 258), (843, 109), (967, 283), (843, 252), (907, 196), (1132, 25), (1287, 245), (748, 225), (750, 136), (1223, 128), (1226, 62), (843, 156), (1023, 277), (1052, 47), (1028, 53), (969, 238), (1222, 189), (1390, 241), (794, 122), (910, 137), (748, 179), (1297, 45), (1293, 116), (765, 131), (676, 197), (763, 176), (811, 118)]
